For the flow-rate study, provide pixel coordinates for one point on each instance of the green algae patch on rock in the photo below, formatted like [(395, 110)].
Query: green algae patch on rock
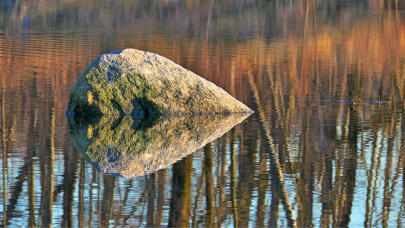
[(129, 149), (142, 84)]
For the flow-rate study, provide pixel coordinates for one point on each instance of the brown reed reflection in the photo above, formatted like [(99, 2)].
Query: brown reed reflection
[(325, 147), (4, 158), (180, 203)]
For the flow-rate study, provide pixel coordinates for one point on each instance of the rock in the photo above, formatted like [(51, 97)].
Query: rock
[(141, 83), (133, 112), (129, 148)]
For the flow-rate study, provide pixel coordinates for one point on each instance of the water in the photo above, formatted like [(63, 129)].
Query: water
[(325, 146)]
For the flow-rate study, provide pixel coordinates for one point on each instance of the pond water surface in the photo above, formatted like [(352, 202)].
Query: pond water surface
[(325, 147)]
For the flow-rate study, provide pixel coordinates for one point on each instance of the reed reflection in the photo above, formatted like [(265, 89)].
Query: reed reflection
[(325, 147)]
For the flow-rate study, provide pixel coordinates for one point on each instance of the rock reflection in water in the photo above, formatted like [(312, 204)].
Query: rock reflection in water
[(130, 148)]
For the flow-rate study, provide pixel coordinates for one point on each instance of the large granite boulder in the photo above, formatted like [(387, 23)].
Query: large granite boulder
[(141, 83), (133, 112)]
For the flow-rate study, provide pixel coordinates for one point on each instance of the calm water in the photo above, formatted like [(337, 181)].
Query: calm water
[(326, 146)]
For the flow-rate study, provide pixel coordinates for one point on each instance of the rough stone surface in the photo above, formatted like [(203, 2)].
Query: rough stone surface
[(129, 149), (141, 83)]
